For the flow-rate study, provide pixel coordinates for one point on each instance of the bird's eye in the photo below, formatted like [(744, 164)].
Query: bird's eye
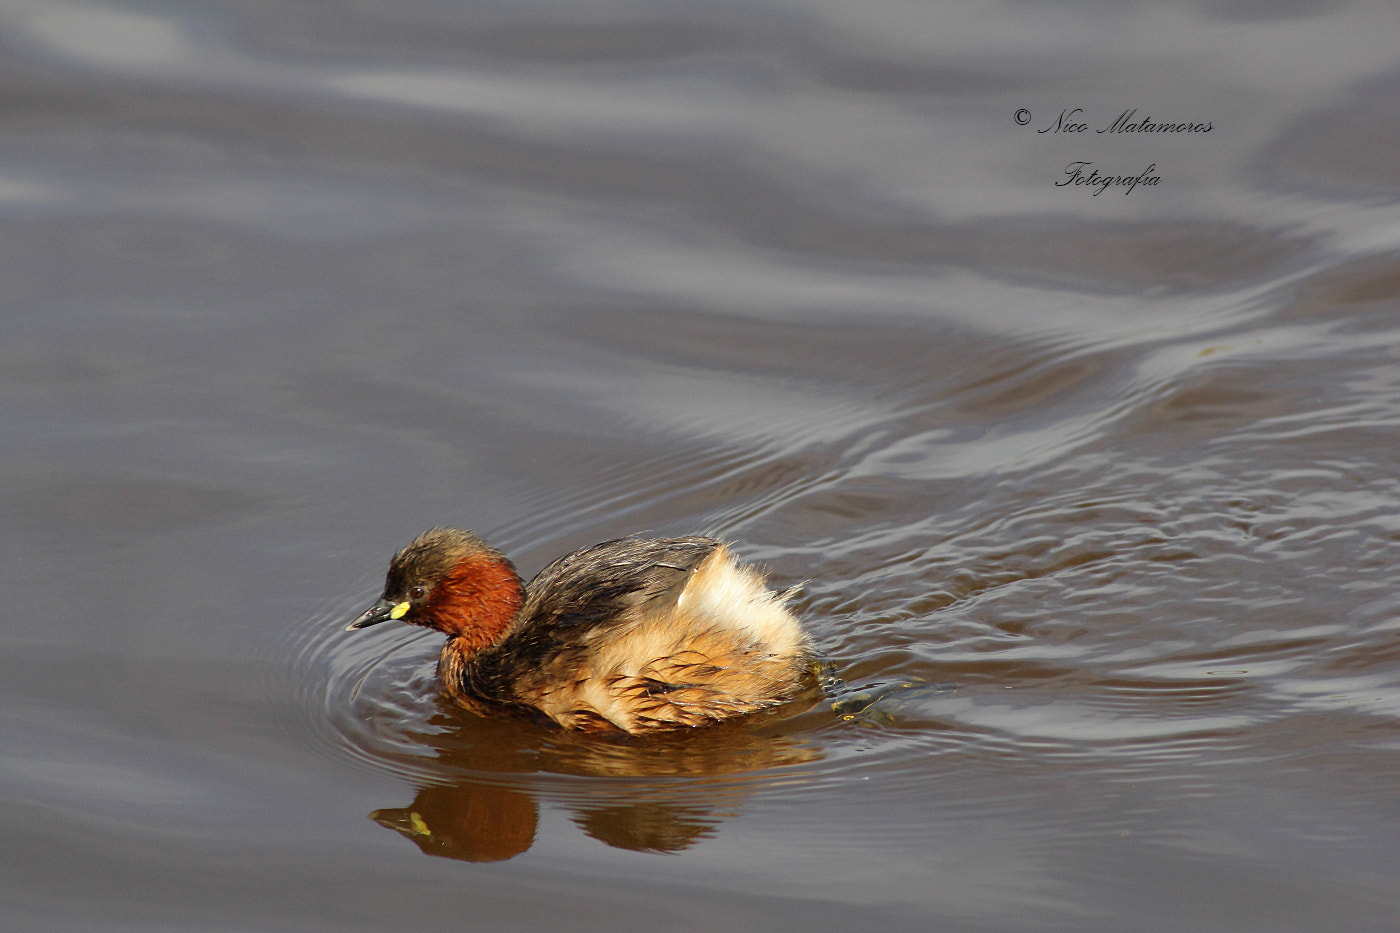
[(416, 593)]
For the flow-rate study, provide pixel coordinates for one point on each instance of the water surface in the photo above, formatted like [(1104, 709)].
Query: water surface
[(1094, 496)]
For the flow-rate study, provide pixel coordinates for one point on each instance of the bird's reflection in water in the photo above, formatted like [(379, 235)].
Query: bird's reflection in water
[(656, 827), (474, 823), (655, 794)]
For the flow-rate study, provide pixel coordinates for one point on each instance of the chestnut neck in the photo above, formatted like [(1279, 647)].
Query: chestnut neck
[(476, 601)]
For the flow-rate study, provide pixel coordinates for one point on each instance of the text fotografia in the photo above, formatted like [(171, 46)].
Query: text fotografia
[(1084, 173), (1071, 121)]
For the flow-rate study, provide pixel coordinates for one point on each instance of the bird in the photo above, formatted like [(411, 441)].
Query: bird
[(634, 635)]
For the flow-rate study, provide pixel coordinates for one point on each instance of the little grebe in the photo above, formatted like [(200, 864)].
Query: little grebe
[(633, 635)]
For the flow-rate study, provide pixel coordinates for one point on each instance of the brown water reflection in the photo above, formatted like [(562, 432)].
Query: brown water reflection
[(653, 794), (471, 822)]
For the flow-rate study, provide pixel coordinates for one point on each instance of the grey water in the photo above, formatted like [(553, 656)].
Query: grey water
[(1092, 488)]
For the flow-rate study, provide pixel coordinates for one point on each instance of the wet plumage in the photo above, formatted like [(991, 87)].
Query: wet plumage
[(633, 635)]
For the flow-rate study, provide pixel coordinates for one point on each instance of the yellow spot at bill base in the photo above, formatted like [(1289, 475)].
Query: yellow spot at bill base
[(399, 611)]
